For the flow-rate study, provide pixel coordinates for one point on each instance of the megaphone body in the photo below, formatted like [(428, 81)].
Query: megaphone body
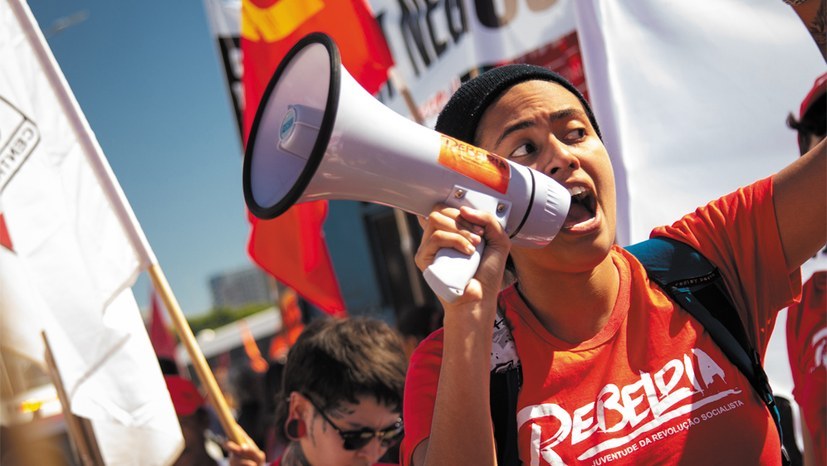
[(319, 135)]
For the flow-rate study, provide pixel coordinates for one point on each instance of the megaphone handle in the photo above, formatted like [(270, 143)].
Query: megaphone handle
[(451, 270)]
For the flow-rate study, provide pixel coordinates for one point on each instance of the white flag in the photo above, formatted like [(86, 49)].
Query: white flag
[(692, 99), (71, 259)]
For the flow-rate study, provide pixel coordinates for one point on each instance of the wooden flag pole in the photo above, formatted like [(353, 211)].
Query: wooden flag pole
[(199, 362), (406, 245), (405, 237), (403, 89), (8, 386), (85, 447)]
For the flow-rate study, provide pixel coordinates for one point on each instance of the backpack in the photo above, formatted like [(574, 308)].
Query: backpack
[(693, 283)]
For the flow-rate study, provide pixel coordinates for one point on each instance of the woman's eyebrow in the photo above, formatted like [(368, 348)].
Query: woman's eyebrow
[(563, 114), (513, 127), (567, 113)]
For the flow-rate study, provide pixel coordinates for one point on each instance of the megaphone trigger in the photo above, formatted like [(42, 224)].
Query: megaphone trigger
[(451, 270)]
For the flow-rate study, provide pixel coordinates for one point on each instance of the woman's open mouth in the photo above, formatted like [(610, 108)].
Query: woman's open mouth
[(582, 209)]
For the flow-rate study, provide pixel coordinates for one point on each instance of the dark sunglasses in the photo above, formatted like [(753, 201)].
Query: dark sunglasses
[(356, 439)]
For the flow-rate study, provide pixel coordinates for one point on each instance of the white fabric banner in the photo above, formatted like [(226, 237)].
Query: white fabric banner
[(692, 98), (71, 263), (433, 45)]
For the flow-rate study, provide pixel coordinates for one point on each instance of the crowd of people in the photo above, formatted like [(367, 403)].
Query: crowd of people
[(605, 366)]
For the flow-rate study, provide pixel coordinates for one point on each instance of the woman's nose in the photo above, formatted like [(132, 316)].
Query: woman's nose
[(561, 160)]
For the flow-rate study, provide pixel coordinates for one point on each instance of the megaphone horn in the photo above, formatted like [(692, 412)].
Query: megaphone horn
[(318, 135)]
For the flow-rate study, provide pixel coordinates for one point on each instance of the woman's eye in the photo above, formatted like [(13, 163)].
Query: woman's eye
[(576, 134), (523, 151)]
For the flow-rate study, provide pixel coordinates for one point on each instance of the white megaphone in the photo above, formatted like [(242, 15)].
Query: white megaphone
[(318, 134)]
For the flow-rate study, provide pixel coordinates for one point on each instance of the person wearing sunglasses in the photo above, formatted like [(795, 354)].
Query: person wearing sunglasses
[(340, 401)]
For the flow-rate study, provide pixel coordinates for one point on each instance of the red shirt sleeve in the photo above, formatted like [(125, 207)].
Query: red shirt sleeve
[(739, 234), (806, 345), (420, 394)]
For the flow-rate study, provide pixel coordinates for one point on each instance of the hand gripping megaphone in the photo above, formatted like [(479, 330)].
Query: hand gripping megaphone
[(318, 134)]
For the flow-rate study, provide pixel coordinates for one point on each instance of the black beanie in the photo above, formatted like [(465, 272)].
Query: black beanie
[(461, 115)]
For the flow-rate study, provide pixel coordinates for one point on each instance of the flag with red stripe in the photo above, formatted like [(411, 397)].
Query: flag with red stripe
[(292, 247)]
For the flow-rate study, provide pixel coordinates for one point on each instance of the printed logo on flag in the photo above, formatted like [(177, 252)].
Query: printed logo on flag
[(18, 137)]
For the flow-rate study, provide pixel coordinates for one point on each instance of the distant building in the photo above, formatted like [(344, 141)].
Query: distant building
[(227, 341), (240, 288)]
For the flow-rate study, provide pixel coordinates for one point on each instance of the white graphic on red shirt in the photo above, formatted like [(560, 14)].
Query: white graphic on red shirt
[(503, 349), (631, 411), (819, 344)]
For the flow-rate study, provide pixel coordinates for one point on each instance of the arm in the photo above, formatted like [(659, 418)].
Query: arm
[(461, 431), (814, 15), (809, 451), (800, 198)]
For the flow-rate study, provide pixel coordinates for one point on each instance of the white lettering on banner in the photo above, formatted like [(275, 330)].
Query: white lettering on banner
[(632, 411)]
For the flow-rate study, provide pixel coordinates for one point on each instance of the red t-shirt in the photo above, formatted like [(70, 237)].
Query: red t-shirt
[(651, 387), (277, 462), (807, 349)]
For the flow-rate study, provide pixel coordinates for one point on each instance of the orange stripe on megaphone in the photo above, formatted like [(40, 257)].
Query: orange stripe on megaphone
[(275, 22), (475, 163)]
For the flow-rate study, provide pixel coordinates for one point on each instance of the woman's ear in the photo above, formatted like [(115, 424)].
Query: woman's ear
[(295, 427), (296, 405)]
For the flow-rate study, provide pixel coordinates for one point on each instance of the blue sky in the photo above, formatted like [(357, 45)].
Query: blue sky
[(148, 78)]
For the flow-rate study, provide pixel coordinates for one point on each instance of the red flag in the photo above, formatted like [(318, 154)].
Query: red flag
[(292, 247), (291, 326), (159, 334), (257, 362), (5, 239), (269, 28)]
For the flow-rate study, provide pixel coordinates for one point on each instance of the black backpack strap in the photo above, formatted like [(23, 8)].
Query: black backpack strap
[(506, 380), (505, 386), (697, 286)]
